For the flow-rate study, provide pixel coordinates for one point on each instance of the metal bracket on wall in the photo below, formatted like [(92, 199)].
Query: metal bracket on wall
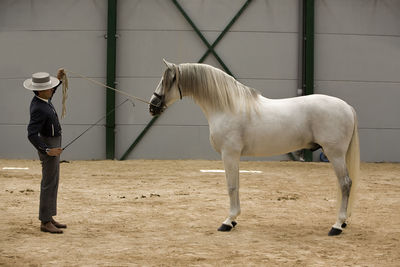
[(210, 49)]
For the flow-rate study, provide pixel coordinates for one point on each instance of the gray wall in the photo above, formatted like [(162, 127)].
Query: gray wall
[(260, 50), (356, 58), (44, 36)]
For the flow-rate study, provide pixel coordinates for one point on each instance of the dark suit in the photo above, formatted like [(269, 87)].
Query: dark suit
[(44, 132), (43, 122)]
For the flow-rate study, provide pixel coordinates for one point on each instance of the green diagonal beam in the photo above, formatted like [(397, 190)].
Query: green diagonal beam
[(210, 49), (139, 138), (227, 28)]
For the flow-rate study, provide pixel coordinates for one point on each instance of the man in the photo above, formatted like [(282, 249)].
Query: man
[(44, 132)]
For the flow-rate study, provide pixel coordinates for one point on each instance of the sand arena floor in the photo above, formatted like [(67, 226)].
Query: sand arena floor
[(165, 213)]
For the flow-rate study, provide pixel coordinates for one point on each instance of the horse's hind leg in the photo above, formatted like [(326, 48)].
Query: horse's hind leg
[(339, 165), (231, 163)]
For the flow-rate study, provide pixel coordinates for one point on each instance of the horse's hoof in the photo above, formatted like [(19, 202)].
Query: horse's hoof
[(226, 228), (334, 231), (344, 225)]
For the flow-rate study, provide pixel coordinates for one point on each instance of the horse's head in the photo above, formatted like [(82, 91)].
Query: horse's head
[(167, 91)]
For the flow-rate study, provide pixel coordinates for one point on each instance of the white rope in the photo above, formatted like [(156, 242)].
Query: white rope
[(109, 87), (64, 80)]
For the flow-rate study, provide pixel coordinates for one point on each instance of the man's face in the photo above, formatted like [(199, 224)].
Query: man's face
[(46, 94)]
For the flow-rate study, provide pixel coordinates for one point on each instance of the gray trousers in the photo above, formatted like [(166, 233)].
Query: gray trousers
[(50, 178)]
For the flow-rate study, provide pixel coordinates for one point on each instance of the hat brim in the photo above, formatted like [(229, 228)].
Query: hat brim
[(28, 84)]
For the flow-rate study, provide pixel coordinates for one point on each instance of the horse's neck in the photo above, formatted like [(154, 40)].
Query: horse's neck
[(215, 102), (210, 113), (207, 109)]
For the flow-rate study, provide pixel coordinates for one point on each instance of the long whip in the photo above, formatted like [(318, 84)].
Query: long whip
[(94, 124), (65, 95)]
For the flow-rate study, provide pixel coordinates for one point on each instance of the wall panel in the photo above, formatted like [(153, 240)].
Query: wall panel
[(260, 50), (356, 58), (44, 36)]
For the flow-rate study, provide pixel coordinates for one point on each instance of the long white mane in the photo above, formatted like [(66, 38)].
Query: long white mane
[(215, 89)]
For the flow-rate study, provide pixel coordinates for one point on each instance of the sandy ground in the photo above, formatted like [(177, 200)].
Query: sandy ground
[(165, 213)]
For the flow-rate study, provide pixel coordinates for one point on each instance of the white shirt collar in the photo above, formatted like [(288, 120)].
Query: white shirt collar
[(45, 100)]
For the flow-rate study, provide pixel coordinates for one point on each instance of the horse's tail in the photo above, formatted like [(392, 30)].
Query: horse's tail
[(353, 162)]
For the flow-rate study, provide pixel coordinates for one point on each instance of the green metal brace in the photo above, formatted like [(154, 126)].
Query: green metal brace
[(209, 50), (227, 28)]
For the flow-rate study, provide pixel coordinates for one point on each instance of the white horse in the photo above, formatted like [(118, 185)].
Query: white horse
[(244, 123)]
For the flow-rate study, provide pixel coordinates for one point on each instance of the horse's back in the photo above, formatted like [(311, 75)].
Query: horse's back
[(314, 109), (283, 125), (332, 123), (328, 120)]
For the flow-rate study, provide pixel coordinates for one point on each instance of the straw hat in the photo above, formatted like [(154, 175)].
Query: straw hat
[(41, 81)]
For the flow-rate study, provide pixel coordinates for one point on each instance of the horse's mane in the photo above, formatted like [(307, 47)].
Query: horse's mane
[(214, 88)]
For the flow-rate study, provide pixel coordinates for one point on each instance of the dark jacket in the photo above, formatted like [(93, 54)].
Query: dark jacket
[(43, 122)]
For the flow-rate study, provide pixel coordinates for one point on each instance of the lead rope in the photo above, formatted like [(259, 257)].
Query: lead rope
[(106, 86), (64, 80)]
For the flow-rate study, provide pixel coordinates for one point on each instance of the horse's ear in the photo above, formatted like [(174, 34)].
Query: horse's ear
[(169, 64)]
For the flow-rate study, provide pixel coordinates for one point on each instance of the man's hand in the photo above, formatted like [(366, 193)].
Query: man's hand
[(56, 151), (60, 74)]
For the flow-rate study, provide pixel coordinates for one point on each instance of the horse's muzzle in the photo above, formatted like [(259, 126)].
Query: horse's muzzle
[(157, 105)]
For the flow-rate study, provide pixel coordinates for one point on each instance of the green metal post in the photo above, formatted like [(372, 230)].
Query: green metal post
[(111, 63), (309, 46), (308, 55)]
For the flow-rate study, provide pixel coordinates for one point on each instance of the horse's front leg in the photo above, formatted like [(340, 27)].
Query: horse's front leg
[(231, 163)]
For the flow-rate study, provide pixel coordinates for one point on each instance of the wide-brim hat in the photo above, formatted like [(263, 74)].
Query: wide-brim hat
[(41, 81)]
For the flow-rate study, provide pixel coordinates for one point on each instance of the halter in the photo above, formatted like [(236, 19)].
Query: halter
[(180, 92), (177, 76), (158, 104)]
